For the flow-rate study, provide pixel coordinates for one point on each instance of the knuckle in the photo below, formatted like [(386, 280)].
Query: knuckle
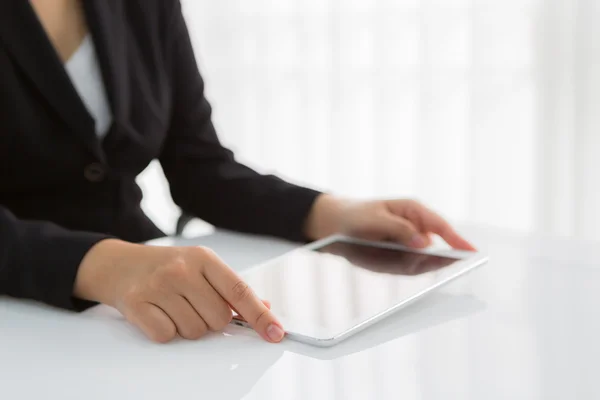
[(223, 320), (164, 279), (164, 334), (241, 291), (157, 285), (204, 256), (205, 252), (194, 332), (176, 270)]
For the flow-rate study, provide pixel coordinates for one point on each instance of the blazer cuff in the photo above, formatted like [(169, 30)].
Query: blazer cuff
[(56, 263), (298, 205)]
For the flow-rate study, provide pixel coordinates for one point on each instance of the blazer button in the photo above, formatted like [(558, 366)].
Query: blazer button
[(94, 172)]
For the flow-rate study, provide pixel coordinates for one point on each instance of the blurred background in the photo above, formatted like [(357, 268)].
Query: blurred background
[(486, 110)]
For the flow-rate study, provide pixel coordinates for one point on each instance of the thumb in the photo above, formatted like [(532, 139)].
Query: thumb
[(403, 231)]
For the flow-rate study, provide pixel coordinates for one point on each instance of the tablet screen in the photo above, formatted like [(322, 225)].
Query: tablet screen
[(324, 291), (385, 260)]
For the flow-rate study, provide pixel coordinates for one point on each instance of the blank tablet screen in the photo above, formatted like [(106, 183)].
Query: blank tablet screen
[(325, 291)]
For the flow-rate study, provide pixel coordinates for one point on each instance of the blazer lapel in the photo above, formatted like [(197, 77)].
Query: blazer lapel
[(26, 40)]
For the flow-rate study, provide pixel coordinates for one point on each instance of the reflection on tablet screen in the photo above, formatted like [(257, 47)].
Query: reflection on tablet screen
[(378, 259)]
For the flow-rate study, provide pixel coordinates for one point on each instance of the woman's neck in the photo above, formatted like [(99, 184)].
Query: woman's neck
[(64, 23)]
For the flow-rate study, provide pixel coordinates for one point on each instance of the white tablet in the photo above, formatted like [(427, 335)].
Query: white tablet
[(331, 289)]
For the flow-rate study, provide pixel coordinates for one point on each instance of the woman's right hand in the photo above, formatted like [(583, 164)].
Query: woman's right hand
[(167, 291)]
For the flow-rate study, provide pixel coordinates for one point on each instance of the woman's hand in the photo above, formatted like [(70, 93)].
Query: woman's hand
[(167, 291), (403, 221)]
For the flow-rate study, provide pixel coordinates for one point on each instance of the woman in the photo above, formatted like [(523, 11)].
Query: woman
[(92, 91)]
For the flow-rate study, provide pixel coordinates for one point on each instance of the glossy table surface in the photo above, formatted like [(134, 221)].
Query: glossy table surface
[(525, 326)]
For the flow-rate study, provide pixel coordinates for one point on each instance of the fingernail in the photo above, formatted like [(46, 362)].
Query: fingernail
[(417, 241), (275, 333)]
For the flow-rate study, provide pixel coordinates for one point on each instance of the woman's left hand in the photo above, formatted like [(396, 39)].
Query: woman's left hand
[(403, 221)]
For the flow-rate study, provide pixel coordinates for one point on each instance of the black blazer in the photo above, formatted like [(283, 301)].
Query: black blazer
[(62, 189)]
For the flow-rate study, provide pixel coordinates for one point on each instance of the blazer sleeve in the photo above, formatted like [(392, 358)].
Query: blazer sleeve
[(39, 260), (205, 179)]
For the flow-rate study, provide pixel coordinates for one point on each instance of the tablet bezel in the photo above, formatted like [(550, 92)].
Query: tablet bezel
[(465, 262)]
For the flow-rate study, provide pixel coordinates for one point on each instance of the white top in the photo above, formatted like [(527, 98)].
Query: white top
[(84, 70), (525, 326)]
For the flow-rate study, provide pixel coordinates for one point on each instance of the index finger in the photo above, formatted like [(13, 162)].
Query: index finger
[(432, 222), (241, 297)]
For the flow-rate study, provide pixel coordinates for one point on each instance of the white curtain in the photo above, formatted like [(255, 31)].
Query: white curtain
[(486, 110)]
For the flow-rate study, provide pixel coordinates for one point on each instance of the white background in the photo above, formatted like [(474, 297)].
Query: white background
[(486, 110)]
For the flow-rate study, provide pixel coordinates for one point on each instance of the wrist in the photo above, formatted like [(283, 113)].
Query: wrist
[(325, 217), (96, 278)]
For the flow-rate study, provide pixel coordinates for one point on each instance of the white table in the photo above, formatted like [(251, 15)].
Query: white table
[(523, 327)]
